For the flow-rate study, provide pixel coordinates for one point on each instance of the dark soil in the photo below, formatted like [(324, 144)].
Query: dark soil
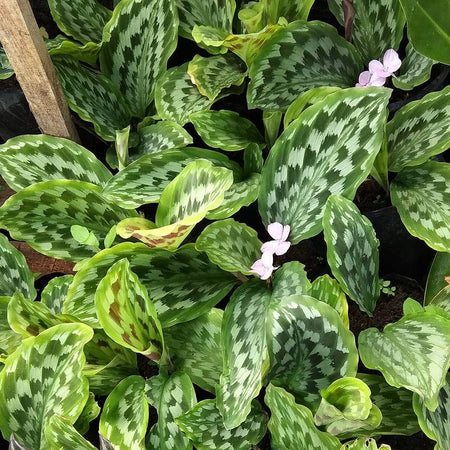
[(370, 196)]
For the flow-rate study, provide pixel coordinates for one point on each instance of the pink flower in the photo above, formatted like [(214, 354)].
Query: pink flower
[(391, 63), (280, 245), (364, 79), (264, 266)]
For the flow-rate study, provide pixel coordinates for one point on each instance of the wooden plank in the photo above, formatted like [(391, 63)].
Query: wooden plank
[(28, 55)]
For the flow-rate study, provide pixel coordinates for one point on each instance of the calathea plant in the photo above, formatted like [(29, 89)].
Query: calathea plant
[(197, 310)]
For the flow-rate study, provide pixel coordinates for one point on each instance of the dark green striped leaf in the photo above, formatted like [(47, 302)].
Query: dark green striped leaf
[(231, 245), (9, 340), (411, 353), (422, 197), (328, 150), (125, 415), (6, 70), (419, 130), (298, 58), (15, 276), (226, 130), (442, 300), (43, 213), (204, 426), (171, 396), (137, 43), (291, 425), (364, 444), (253, 159), (176, 97), (352, 251), (195, 348), (436, 281), (62, 435), (55, 293), (291, 279), (41, 378), (183, 284), (26, 160)]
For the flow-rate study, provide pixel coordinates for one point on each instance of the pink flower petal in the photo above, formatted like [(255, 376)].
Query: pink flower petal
[(376, 67), (267, 259), (267, 273), (275, 230), (283, 247), (286, 231), (391, 61), (269, 247), (364, 78), (377, 80), (258, 268)]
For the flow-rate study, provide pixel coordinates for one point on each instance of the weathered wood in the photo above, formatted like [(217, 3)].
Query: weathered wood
[(28, 55)]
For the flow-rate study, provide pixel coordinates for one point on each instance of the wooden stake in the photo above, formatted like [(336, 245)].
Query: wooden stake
[(28, 55)]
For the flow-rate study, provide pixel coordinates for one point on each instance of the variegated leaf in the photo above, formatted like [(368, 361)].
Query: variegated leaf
[(328, 150), (204, 426), (310, 347), (55, 293), (226, 130), (43, 213), (240, 194), (436, 424), (422, 197), (15, 276), (176, 97), (364, 444), (244, 351), (82, 19), (171, 396), (90, 412), (442, 299), (213, 74), (253, 159), (352, 251), (137, 43), (298, 58), (415, 70), (215, 13), (126, 312), (394, 404), (62, 435), (419, 130), (231, 245), (125, 415), (26, 160), (440, 269), (411, 353), (291, 425), (94, 97), (9, 340), (6, 70), (183, 285), (104, 378), (290, 280), (195, 348), (185, 201), (144, 180), (60, 45), (377, 27), (41, 378), (326, 289)]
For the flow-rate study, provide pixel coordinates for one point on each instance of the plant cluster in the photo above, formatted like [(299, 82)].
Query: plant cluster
[(190, 294)]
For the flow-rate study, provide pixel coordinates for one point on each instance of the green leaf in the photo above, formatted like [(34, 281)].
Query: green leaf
[(183, 284), (6, 70), (395, 406), (419, 130), (55, 360), (54, 294), (244, 351), (226, 130), (9, 340), (43, 213), (144, 180), (435, 424), (90, 412), (428, 27), (290, 280), (82, 19), (231, 245), (415, 70), (62, 435), (15, 276), (411, 353), (240, 194), (104, 378), (126, 312), (94, 97), (328, 150), (436, 277), (213, 74), (291, 425), (84, 236), (352, 251), (442, 299), (171, 396), (60, 45), (310, 347), (364, 444), (125, 415), (326, 289), (26, 160), (137, 43), (203, 425), (176, 97), (195, 348), (377, 27), (422, 197), (298, 58), (214, 13), (253, 159)]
